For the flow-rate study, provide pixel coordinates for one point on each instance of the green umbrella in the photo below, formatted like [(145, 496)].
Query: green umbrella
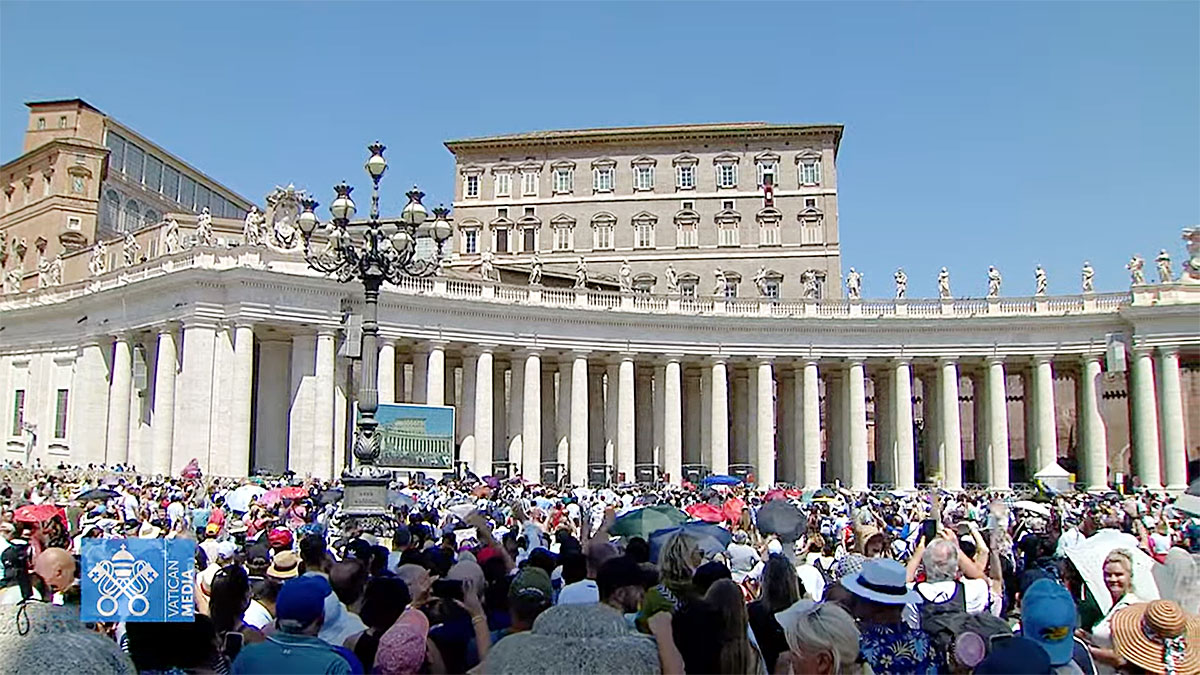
[(641, 522)]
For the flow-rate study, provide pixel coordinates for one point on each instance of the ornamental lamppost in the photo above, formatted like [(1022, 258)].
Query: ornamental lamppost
[(372, 252)]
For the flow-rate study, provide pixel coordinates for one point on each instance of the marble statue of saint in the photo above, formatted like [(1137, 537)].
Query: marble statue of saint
[(809, 280), (854, 284), (486, 269), (43, 271), (722, 280), (1165, 276), (943, 283), (98, 263), (130, 250), (1191, 266), (535, 271), (760, 280), (626, 277), (993, 282), (1087, 276), (252, 231), (1137, 270), (204, 229), (672, 279), (581, 274), (12, 281), (55, 271), (901, 283), (171, 240), (1039, 280)]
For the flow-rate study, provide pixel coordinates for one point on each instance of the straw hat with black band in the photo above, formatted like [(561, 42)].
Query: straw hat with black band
[(1158, 637)]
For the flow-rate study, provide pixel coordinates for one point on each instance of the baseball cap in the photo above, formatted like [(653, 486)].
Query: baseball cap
[(1048, 618), (1015, 656), (280, 537), (531, 582), (226, 549), (212, 529), (301, 601)]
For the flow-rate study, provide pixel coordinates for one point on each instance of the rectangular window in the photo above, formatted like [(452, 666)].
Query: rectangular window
[(688, 235), (154, 167), (62, 122), (504, 184), (766, 170), (643, 177), (501, 240), (529, 211), (728, 235), (685, 177), (502, 212), (187, 192), (203, 195), (170, 183), (727, 205), (116, 151), (810, 202), (74, 223), (602, 179), (644, 235), (470, 242), (529, 183), (730, 289), (564, 181), (604, 237), (529, 239), (687, 288), (135, 161), (60, 414), (18, 417), (810, 172), (687, 205), (771, 286), (472, 188), (727, 175), (769, 235), (563, 239)]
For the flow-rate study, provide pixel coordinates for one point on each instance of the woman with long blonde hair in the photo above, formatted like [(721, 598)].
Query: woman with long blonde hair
[(822, 640), (677, 562)]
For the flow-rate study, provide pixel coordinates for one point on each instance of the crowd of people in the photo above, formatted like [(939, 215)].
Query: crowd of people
[(488, 576)]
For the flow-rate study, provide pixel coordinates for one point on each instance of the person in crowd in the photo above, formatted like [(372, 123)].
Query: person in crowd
[(950, 577), (1118, 580), (385, 599), (295, 647), (227, 606), (577, 587), (822, 640), (887, 643), (175, 646), (736, 653), (56, 568), (1049, 618), (678, 560), (779, 589)]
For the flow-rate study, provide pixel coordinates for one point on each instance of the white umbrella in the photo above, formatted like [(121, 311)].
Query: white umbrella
[(1040, 509), (241, 498), (461, 510), (1088, 557)]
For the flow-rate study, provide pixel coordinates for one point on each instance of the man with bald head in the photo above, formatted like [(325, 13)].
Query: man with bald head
[(418, 581), (56, 567)]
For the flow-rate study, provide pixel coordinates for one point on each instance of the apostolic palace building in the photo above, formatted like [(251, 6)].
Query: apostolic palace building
[(616, 304)]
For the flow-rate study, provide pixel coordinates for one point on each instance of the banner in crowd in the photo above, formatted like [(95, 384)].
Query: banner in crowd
[(137, 580), (416, 436)]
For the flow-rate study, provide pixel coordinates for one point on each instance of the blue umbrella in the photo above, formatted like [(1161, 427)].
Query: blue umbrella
[(712, 537), (719, 479)]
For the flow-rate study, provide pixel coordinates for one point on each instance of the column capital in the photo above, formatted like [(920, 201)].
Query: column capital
[(1089, 357), (199, 322), (166, 327), (859, 360), (527, 352), (947, 360), (479, 348), (1168, 350), (901, 361), (239, 322), (626, 356), (768, 359), (672, 358), (994, 359), (715, 359), (1039, 359), (806, 361)]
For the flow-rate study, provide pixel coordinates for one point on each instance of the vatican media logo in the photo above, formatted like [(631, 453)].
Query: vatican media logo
[(137, 580)]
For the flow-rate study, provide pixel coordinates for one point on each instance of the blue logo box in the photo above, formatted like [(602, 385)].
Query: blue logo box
[(137, 580)]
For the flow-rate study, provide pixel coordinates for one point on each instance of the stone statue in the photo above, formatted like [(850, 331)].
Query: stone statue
[(486, 269), (1088, 276), (581, 274), (130, 250), (171, 239), (1039, 280), (760, 280), (943, 283), (1191, 266), (3, 248), (98, 263), (809, 280), (283, 212), (626, 277), (1165, 276), (854, 284), (1137, 270), (252, 231), (55, 271), (672, 279), (535, 271), (204, 229), (994, 280), (12, 281), (722, 281), (901, 283), (43, 271)]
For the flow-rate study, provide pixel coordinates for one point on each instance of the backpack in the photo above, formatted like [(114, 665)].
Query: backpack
[(826, 572), (942, 622)]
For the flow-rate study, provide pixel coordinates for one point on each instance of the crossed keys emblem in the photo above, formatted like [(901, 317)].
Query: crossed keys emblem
[(123, 576)]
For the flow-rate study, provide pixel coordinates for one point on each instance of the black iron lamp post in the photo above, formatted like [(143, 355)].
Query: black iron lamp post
[(372, 252)]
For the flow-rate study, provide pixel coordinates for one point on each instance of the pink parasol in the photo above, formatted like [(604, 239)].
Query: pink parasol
[(37, 513), (706, 512)]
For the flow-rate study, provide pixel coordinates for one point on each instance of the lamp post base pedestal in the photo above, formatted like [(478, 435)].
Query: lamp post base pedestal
[(365, 500)]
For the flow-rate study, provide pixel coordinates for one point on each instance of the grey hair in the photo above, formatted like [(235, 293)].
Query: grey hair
[(940, 560), (826, 628)]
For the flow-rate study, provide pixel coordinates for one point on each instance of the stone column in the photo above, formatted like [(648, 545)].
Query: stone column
[(89, 394), (435, 377), (562, 415), (1174, 454), (951, 425), (516, 414), (858, 426), (499, 413), (786, 414), (706, 417), (931, 413), (902, 433), (550, 423), (611, 375), (765, 419), (692, 419), (885, 450), (672, 446), (242, 395), (835, 426), (719, 421), (979, 428), (481, 462), (739, 407), (166, 367), (531, 421), (387, 371), (997, 415), (1047, 434), (465, 413), (119, 392), (596, 412), (625, 418), (643, 416), (658, 417), (193, 400), (1094, 450), (808, 380), (580, 406), (323, 413), (420, 373)]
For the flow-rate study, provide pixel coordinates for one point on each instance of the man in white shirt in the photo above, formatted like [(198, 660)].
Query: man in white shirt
[(941, 561), (577, 588), (129, 504)]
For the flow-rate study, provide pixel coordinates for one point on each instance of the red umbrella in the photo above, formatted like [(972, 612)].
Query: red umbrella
[(37, 513), (775, 493), (293, 492), (706, 512), (733, 509)]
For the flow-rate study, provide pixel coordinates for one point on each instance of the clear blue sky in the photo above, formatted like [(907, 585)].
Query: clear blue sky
[(976, 133)]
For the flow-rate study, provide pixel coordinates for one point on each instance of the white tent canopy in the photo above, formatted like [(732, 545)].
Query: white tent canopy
[(1052, 470)]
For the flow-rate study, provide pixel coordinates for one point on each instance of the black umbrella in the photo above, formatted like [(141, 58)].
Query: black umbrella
[(97, 494), (1194, 488), (781, 517)]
